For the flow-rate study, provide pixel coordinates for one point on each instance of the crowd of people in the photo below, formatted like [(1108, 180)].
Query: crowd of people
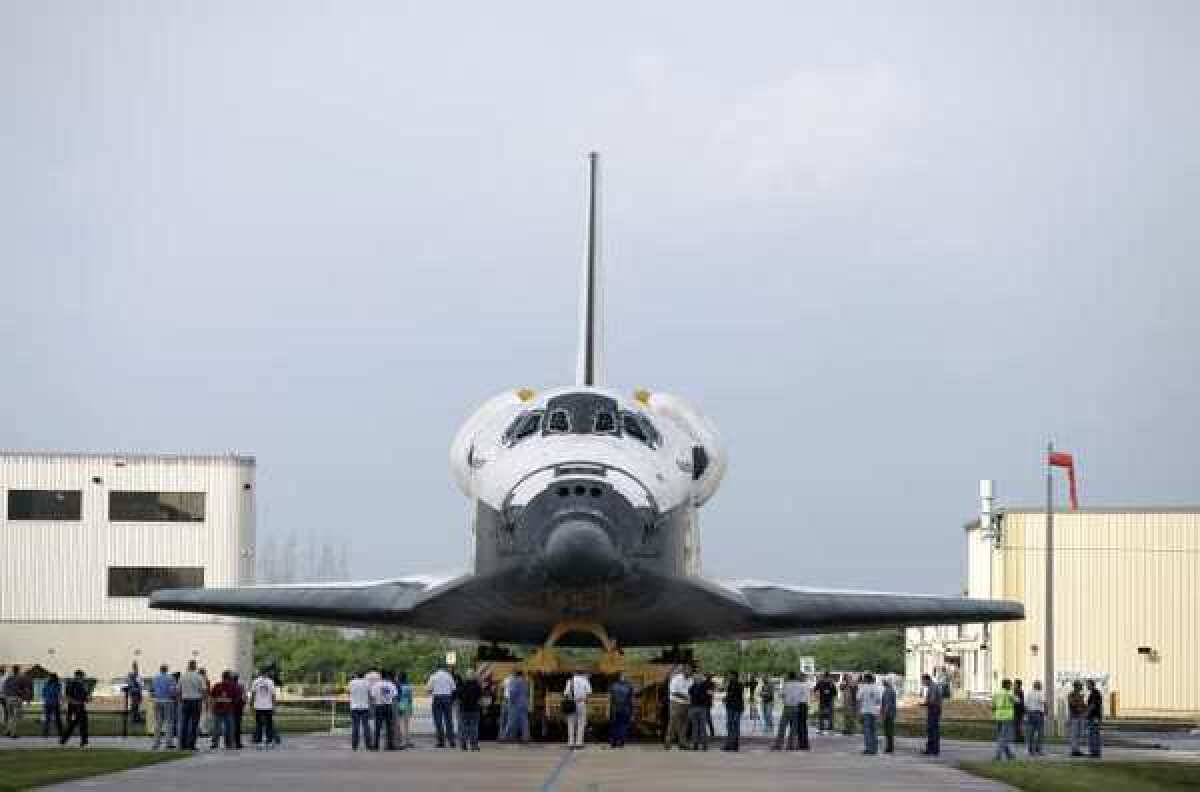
[(691, 695), (187, 705), (381, 706), (862, 701)]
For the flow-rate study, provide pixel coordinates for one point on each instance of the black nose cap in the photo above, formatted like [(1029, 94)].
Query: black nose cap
[(579, 552)]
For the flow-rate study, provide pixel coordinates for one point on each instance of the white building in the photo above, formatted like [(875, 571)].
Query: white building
[(1126, 606), (85, 538)]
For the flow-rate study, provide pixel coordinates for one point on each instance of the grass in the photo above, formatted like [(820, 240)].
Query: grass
[(29, 769), (102, 723), (1082, 776)]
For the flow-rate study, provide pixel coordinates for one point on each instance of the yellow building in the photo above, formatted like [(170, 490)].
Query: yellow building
[(1126, 606), (1126, 602)]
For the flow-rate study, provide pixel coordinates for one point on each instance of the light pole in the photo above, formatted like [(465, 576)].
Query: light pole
[(1048, 639)]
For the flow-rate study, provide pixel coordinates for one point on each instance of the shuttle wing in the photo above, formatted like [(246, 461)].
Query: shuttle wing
[(777, 609), (352, 604), (648, 610)]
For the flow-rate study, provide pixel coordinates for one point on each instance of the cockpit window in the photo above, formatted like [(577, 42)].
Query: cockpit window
[(652, 435), (558, 422), (639, 427), (524, 425), (633, 428), (580, 413), (605, 423)]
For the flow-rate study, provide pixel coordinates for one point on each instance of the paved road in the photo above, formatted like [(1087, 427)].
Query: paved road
[(323, 762)]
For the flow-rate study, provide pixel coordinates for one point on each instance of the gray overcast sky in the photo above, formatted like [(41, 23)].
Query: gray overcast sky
[(890, 248)]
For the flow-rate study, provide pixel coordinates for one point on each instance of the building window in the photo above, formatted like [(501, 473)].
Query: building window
[(142, 581), (44, 504), (156, 506)]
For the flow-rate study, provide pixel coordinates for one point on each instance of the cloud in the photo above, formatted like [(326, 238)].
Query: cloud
[(825, 128)]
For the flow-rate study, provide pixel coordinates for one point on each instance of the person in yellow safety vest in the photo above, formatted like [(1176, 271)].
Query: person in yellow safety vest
[(1002, 713)]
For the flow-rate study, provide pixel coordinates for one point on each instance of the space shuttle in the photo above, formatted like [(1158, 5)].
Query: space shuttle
[(585, 505)]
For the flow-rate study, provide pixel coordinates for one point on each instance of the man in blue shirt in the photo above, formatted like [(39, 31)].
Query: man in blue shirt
[(518, 708), (52, 706), (164, 690), (620, 695)]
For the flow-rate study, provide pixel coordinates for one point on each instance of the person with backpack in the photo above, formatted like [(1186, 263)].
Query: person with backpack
[(575, 696)]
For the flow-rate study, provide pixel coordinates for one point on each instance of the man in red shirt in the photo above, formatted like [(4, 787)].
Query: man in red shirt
[(224, 696)]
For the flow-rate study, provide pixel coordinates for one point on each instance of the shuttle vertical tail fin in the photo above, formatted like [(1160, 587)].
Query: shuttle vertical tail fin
[(591, 322)]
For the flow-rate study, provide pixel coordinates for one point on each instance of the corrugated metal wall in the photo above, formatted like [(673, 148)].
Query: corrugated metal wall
[(58, 570), (1123, 580)]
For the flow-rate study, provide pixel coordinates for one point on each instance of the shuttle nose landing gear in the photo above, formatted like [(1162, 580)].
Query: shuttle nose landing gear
[(545, 659)]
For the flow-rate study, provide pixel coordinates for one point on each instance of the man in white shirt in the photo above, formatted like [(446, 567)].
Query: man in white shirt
[(677, 690), (383, 694), (262, 696), (441, 686), (577, 690), (192, 689), (1035, 716), (794, 722), (506, 687), (870, 697), (360, 710)]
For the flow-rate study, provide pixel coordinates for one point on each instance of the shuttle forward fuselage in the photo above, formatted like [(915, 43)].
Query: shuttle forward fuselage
[(579, 489)]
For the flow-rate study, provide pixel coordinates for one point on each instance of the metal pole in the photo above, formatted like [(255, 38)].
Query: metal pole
[(1048, 641)]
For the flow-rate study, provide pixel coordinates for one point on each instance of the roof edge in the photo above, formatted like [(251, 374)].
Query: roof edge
[(133, 456)]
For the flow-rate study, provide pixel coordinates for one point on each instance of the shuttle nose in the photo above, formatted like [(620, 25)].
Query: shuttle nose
[(580, 552)]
